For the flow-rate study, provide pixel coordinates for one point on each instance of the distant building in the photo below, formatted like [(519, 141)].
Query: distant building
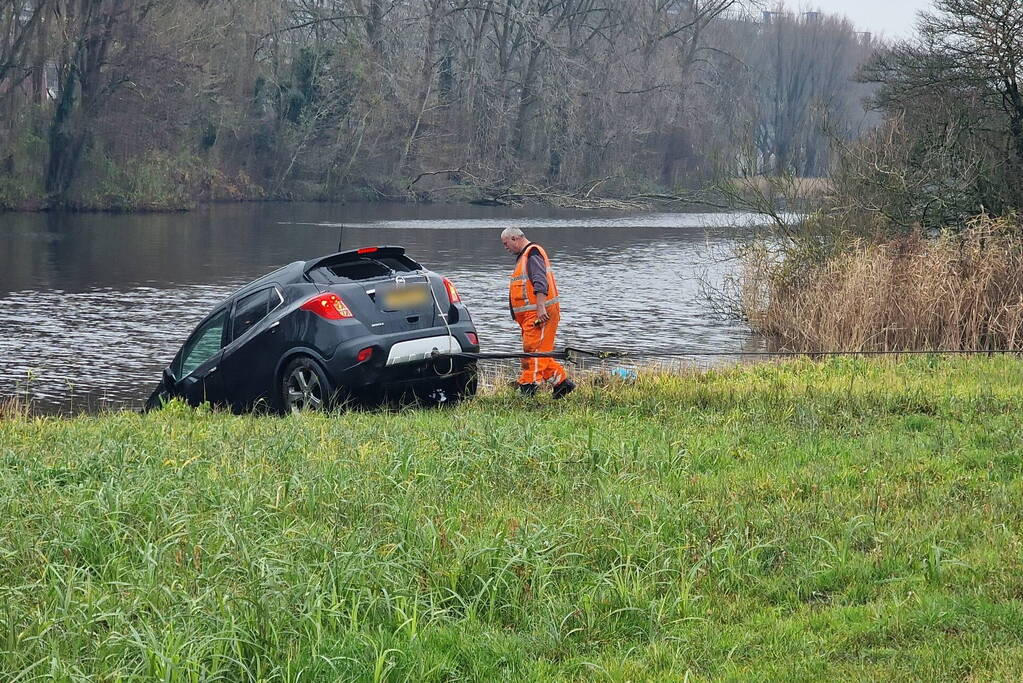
[(771, 16)]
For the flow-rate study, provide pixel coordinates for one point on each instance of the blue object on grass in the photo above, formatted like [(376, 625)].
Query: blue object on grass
[(624, 373)]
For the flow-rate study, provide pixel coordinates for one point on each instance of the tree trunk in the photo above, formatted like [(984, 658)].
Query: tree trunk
[(81, 90), (66, 141), (425, 84), (39, 85), (526, 100)]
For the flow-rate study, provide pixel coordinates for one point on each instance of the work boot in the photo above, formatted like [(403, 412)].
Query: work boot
[(564, 388), (527, 389)]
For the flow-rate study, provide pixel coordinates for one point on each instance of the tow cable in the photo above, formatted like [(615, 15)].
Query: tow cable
[(572, 354), (568, 354)]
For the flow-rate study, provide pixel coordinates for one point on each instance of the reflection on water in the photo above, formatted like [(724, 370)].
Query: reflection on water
[(649, 220), (92, 306)]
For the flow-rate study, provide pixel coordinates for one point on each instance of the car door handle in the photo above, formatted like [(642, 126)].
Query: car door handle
[(212, 370), (273, 326)]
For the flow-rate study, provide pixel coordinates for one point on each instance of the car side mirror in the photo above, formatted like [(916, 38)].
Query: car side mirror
[(168, 378)]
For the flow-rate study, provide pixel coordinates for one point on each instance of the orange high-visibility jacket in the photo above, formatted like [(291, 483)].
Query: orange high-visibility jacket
[(520, 289)]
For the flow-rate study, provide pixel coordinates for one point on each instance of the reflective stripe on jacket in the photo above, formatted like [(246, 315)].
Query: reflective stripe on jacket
[(520, 289)]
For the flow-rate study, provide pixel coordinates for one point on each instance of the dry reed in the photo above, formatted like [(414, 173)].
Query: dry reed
[(958, 291), (13, 407), (799, 187)]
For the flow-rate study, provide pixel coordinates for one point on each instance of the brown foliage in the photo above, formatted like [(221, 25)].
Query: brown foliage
[(354, 98), (13, 408), (958, 291)]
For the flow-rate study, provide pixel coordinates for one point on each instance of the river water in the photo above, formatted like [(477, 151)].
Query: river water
[(93, 306)]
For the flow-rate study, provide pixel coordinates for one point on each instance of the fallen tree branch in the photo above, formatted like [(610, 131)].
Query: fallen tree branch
[(424, 174), (496, 193)]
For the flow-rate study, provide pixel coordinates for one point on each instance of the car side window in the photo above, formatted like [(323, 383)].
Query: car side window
[(203, 345), (250, 309)]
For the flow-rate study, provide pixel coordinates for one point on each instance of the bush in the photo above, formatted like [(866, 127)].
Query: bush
[(21, 167), (156, 181), (955, 291)]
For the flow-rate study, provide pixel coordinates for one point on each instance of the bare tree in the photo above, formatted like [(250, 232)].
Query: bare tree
[(22, 44), (967, 59), (321, 98), (802, 72)]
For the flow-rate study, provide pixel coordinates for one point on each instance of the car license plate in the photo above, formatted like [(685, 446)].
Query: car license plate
[(405, 297)]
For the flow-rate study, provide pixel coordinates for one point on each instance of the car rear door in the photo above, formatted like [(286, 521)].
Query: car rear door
[(385, 290), (255, 345), (197, 366), (404, 302)]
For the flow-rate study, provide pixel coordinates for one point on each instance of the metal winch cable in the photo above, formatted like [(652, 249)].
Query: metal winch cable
[(572, 354), (447, 326)]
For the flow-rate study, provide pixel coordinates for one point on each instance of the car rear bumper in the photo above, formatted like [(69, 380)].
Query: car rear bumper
[(401, 358), (426, 348)]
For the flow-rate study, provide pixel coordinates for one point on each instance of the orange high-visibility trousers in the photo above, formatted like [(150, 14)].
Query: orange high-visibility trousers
[(540, 339)]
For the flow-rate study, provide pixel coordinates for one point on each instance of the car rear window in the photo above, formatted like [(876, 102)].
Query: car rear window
[(250, 309), (365, 268)]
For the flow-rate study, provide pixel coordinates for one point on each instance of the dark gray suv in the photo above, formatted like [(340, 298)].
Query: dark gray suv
[(357, 324)]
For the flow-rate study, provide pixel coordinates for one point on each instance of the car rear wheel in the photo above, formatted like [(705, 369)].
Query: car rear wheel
[(304, 387)]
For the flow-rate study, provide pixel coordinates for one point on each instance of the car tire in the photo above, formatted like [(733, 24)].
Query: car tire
[(303, 386), (156, 400)]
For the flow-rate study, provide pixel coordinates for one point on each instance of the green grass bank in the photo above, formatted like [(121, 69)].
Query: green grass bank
[(849, 519)]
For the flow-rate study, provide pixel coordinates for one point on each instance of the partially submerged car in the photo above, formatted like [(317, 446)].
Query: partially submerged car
[(355, 324)]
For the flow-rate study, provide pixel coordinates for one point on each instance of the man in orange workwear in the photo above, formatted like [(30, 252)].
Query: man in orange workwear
[(533, 299)]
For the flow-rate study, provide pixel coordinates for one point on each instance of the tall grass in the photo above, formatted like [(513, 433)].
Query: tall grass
[(957, 291), (799, 521), (12, 407)]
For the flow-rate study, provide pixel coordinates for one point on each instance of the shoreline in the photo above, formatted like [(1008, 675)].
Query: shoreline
[(707, 199)]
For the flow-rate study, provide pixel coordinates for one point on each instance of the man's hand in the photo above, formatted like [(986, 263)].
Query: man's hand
[(541, 309)]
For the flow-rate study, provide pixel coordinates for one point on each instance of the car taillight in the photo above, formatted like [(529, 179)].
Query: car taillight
[(328, 306), (364, 355), (452, 292), (473, 339)]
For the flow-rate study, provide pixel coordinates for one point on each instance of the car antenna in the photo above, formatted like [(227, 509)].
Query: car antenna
[(340, 235)]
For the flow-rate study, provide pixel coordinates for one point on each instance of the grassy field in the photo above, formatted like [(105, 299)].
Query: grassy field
[(850, 519)]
